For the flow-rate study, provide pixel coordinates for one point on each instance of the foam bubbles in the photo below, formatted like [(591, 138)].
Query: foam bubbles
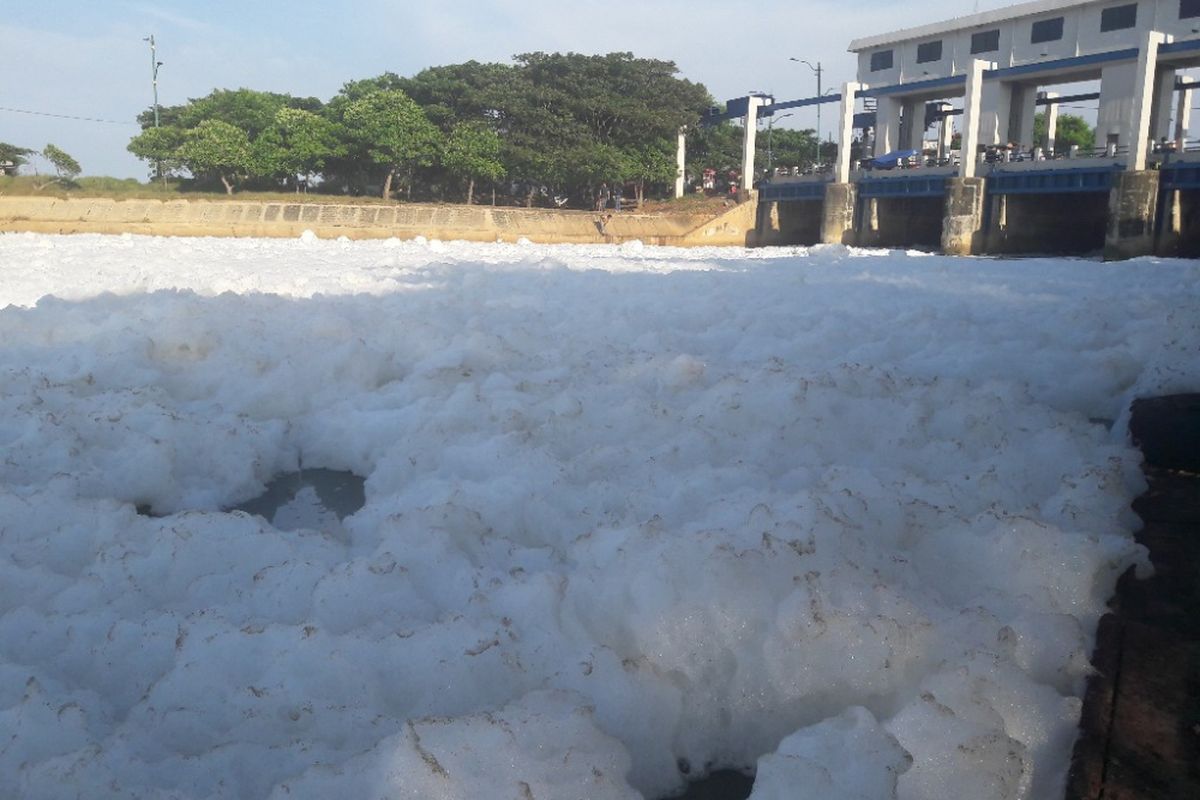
[(840, 513)]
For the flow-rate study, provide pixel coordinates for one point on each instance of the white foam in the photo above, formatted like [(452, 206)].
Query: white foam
[(762, 504)]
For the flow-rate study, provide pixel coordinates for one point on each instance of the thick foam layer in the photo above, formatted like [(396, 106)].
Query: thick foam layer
[(625, 509)]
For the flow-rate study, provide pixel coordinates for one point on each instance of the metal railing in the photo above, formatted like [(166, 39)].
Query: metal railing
[(996, 157)]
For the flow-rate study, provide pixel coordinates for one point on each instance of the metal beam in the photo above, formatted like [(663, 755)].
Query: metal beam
[(1067, 98), (806, 101)]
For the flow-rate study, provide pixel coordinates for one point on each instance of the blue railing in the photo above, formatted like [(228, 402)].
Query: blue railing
[(1180, 175), (907, 186), (813, 190), (1053, 181)]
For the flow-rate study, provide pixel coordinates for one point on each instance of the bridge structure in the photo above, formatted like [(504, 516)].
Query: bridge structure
[(999, 190)]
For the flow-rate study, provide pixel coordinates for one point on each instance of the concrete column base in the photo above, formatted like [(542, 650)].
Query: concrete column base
[(962, 225), (1132, 203), (837, 214), (1170, 236), (766, 224)]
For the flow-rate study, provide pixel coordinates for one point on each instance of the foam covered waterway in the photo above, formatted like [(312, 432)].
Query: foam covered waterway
[(839, 514), (316, 499)]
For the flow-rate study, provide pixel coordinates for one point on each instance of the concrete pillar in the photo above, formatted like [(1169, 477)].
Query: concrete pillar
[(748, 143), (1114, 114), (912, 125), (1160, 107), (767, 228), (845, 132), (1051, 121), (680, 162), (1022, 107), (1183, 114), (837, 213), (1171, 232), (972, 107), (945, 133), (995, 102), (1143, 100), (1132, 203), (962, 225), (887, 125)]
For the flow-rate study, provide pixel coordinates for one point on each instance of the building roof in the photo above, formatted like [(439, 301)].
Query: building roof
[(992, 17)]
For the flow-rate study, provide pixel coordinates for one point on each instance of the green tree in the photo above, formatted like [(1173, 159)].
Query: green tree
[(470, 92), (394, 132), (217, 149), (160, 147), (653, 162), (572, 106), (579, 170), (473, 152), (1070, 130), (12, 157), (717, 147), (298, 142), (247, 109), (65, 167), (788, 148), (251, 112)]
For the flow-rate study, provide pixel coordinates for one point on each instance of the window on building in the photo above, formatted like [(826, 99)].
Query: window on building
[(1189, 9), (930, 51), (987, 41), (881, 59), (1118, 18), (1046, 30)]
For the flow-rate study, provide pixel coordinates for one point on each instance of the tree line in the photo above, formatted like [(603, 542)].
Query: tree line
[(547, 129), (546, 126)]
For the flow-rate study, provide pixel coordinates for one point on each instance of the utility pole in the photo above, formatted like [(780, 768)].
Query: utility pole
[(154, 65), (816, 69)]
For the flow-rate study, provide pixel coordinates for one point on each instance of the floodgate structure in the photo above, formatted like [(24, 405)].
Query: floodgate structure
[(904, 177)]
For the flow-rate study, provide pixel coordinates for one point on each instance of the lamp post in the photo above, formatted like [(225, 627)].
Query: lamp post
[(816, 69), (154, 65), (770, 142)]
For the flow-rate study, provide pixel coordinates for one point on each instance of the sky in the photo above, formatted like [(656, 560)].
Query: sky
[(88, 59)]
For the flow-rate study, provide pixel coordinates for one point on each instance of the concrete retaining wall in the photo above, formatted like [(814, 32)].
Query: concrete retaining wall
[(449, 222)]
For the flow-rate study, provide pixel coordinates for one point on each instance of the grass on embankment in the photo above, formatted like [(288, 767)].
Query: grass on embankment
[(133, 189)]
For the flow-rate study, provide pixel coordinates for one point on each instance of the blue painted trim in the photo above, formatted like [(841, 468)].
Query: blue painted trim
[(1053, 181), (917, 86), (1187, 45), (1180, 175), (792, 191), (716, 119), (1005, 73), (1129, 54), (807, 101), (915, 186)]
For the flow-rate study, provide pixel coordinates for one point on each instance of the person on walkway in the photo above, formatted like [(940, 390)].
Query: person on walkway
[(602, 197)]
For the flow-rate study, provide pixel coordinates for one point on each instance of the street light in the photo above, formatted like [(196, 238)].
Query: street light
[(770, 139), (816, 69), (154, 65)]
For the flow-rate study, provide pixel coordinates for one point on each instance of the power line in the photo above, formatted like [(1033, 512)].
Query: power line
[(65, 116)]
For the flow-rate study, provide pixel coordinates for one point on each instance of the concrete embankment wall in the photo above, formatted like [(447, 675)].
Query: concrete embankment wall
[(450, 222)]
